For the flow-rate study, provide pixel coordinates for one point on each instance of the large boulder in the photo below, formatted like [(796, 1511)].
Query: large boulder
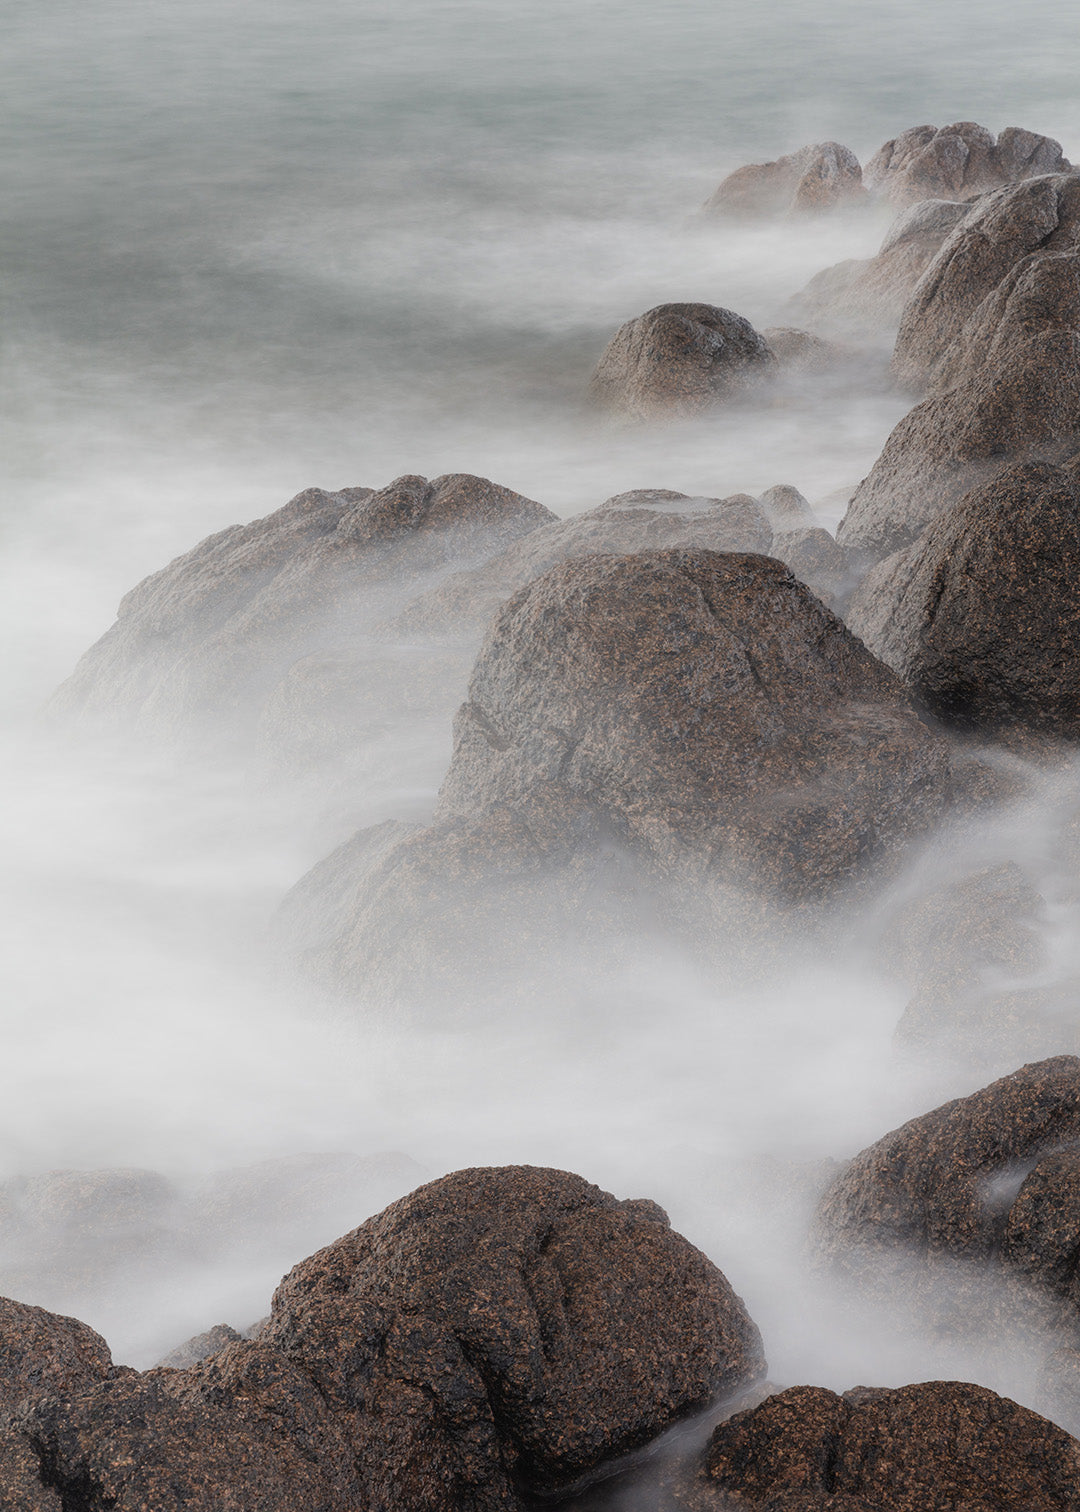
[(509, 1327), (980, 1180), (940, 1446), (1038, 216), (819, 177), (711, 707), (981, 616), (209, 636), (680, 360), (958, 161)]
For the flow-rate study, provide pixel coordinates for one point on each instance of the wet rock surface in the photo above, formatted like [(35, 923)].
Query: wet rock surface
[(818, 177), (981, 616), (947, 1186), (711, 706), (959, 161), (498, 1330), (680, 360), (940, 1446)]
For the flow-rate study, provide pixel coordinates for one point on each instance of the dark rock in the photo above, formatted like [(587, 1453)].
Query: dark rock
[(504, 1328), (246, 1428), (40, 1353), (210, 635), (947, 1185), (680, 360), (647, 519), (711, 707), (958, 161), (201, 1347), (1037, 216), (981, 616), (818, 177), (941, 1446)]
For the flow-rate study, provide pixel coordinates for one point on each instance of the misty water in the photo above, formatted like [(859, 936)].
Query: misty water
[(251, 247)]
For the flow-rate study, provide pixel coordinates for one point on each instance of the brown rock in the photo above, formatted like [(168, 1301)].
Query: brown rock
[(941, 1446), (958, 161), (819, 177), (246, 1428), (711, 707), (1036, 216), (679, 360), (210, 635), (981, 616), (947, 1184), (40, 1354), (508, 1327)]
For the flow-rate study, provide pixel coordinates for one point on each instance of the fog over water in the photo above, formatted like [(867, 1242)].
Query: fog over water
[(249, 248)]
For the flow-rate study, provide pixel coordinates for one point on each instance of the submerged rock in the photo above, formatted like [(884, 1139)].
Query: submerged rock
[(958, 161), (208, 637), (680, 360), (981, 616), (940, 1446), (819, 177)]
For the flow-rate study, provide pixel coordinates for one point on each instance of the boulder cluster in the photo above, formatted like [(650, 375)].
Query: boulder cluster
[(696, 717)]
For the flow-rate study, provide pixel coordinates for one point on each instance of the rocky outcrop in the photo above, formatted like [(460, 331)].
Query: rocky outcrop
[(819, 177), (208, 637), (680, 360), (867, 296), (985, 1180), (711, 706), (981, 616), (497, 1333), (941, 1446), (976, 264), (958, 161), (40, 1354)]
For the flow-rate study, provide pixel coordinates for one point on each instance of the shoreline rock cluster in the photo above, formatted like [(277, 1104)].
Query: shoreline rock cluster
[(676, 716)]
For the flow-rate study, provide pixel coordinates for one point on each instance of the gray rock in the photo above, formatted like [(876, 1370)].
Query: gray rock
[(819, 177)]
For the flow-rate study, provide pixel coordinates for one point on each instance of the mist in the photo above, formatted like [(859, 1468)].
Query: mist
[(255, 248)]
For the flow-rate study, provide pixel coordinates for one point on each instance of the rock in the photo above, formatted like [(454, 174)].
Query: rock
[(941, 1446), (990, 917), (958, 161), (449, 914), (39, 1353), (506, 1328), (711, 707), (866, 296), (245, 1428), (1036, 216), (647, 519), (957, 1014), (812, 554), (981, 615), (200, 1348), (819, 177), (947, 1186), (209, 636), (680, 360)]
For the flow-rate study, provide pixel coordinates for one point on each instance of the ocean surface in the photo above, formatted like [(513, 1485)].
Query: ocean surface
[(248, 248)]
